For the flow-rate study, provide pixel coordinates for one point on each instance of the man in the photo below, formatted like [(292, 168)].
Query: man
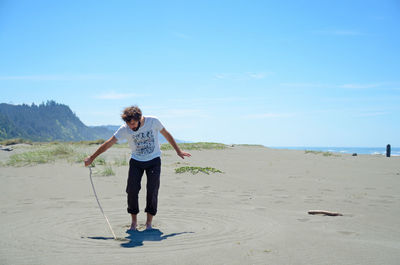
[(142, 135)]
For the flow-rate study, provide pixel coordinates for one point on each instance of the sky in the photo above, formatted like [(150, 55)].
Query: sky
[(276, 73)]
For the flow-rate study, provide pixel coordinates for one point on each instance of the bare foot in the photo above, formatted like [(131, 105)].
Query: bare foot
[(149, 221), (133, 227)]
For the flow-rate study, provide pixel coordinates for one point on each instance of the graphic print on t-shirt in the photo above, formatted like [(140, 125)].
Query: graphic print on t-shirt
[(145, 143)]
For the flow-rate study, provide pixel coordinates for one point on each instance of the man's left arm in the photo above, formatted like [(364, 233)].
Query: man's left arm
[(172, 142)]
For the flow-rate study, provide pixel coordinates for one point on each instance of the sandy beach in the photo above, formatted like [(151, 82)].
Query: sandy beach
[(255, 212)]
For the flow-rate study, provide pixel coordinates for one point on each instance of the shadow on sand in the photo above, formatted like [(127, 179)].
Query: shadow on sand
[(136, 238)]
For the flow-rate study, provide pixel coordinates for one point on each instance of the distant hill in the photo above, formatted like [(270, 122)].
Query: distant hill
[(48, 121)]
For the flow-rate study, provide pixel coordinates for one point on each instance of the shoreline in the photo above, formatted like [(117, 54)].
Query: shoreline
[(395, 151)]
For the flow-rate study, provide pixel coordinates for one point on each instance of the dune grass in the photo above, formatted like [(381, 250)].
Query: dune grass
[(99, 161), (49, 152), (107, 171), (94, 142), (195, 170), (122, 161), (15, 141), (78, 158), (319, 152), (41, 155), (195, 146), (249, 145), (312, 152)]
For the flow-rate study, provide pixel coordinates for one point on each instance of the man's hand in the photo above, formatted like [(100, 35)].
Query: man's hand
[(183, 154), (88, 161), (172, 142), (107, 144)]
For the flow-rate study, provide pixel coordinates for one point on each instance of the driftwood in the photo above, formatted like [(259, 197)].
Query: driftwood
[(324, 213), (6, 149)]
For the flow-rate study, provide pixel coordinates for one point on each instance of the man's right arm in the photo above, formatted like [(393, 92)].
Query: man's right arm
[(107, 144)]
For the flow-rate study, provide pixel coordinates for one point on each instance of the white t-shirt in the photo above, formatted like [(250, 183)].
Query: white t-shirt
[(144, 142)]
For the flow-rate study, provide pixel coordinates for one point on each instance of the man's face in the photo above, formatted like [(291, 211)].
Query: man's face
[(133, 125)]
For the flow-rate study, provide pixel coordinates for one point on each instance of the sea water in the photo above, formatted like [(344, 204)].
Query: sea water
[(395, 151)]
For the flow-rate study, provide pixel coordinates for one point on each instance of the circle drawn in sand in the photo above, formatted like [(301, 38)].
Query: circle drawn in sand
[(83, 231)]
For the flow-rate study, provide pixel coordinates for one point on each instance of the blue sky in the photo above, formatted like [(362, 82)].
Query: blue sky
[(277, 73)]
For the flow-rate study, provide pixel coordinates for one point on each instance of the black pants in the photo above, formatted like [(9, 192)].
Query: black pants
[(136, 170)]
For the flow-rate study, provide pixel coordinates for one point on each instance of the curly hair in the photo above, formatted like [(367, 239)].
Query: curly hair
[(131, 113)]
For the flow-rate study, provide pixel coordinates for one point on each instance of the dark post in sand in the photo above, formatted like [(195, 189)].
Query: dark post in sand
[(388, 150)]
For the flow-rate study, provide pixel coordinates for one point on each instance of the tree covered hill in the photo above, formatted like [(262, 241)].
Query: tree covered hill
[(48, 121)]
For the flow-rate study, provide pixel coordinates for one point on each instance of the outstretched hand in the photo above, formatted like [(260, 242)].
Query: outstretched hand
[(183, 154)]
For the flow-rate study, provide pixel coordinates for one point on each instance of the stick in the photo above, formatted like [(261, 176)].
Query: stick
[(324, 213), (98, 202)]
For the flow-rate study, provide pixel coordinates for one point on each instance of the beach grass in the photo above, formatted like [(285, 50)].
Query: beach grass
[(94, 142), (100, 161), (249, 145), (121, 145), (195, 170), (195, 146), (78, 158), (107, 171), (49, 152), (41, 155), (320, 152), (122, 161), (15, 141)]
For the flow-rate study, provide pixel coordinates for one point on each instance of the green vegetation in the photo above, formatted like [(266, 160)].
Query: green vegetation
[(107, 171), (99, 161), (195, 170), (25, 141), (15, 141), (195, 146), (78, 158), (319, 152), (121, 162), (312, 152), (41, 155), (46, 122), (94, 142), (249, 145), (104, 171)]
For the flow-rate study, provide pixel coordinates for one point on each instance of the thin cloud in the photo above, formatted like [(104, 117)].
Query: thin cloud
[(257, 75), (222, 76), (180, 35)]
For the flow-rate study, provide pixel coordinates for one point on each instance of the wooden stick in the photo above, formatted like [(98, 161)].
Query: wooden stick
[(324, 213)]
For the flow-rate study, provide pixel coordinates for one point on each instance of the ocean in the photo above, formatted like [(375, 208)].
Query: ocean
[(395, 151)]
